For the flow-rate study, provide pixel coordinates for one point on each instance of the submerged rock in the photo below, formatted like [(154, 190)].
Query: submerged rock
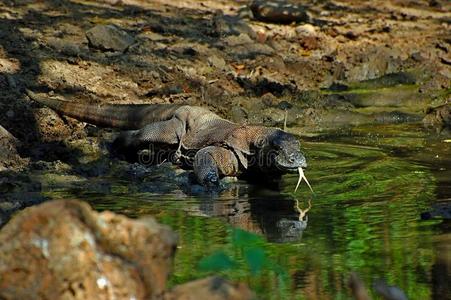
[(389, 292), (212, 288), (440, 210), (64, 249), (109, 37)]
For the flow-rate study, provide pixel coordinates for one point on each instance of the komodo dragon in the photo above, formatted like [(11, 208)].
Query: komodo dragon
[(216, 147)]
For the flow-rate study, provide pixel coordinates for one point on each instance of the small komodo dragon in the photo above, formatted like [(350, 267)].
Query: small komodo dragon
[(216, 147)]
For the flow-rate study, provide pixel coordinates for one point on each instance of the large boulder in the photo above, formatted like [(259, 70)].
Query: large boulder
[(65, 250)]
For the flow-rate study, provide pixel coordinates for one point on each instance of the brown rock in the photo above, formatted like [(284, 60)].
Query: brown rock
[(212, 288), (50, 125), (65, 250), (9, 157)]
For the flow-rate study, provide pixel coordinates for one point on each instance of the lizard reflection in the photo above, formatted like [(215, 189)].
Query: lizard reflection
[(276, 220), (291, 230)]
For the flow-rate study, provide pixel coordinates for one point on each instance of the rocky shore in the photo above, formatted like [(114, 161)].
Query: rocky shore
[(65, 250)]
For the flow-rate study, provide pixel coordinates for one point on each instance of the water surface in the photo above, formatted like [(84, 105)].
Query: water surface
[(371, 186)]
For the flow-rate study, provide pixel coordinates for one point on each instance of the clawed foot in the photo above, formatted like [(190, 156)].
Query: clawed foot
[(178, 155)]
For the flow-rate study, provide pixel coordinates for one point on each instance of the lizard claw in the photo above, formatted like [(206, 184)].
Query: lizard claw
[(178, 155)]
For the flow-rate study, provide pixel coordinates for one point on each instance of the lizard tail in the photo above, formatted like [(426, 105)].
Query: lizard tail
[(123, 116)]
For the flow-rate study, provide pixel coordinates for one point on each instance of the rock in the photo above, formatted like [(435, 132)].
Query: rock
[(224, 25), (310, 42), (109, 37), (306, 30), (439, 117), (278, 11), (50, 125), (440, 209), (5, 134), (241, 39), (9, 157), (238, 114), (65, 250), (65, 47), (243, 47), (388, 292), (212, 288), (269, 100), (217, 62)]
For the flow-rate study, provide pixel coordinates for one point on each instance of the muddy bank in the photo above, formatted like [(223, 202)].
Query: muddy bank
[(65, 250)]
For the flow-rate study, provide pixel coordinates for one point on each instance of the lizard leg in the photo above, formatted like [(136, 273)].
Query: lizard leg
[(211, 163), (165, 132)]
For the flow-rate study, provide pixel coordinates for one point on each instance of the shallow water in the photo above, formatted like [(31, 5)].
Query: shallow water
[(371, 185)]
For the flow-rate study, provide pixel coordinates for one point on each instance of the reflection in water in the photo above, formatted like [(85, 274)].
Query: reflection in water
[(370, 190), (278, 221), (291, 230)]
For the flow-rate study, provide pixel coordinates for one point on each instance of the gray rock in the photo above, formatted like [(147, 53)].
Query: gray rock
[(64, 46), (389, 292), (224, 25), (109, 37), (238, 114), (278, 11), (211, 288), (241, 39), (217, 62)]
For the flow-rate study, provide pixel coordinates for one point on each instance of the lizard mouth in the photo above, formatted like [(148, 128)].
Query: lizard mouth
[(302, 176), (291, 167)]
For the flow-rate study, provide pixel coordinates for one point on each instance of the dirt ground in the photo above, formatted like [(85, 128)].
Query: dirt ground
[(216, 54)]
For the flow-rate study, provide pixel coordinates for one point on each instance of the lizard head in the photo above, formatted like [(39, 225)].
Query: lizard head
[(281, 151)]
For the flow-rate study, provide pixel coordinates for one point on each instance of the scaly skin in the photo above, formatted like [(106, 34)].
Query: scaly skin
[(217, 147)]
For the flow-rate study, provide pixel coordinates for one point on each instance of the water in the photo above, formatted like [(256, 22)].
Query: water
[(371, 185)]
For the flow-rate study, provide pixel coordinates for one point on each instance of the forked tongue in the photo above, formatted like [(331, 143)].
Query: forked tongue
[(302, 176)]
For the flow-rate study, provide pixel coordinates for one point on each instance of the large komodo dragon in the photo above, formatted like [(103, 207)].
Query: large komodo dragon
[(216, 147)]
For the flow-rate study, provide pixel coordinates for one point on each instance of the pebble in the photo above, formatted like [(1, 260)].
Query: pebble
[(306, 29)]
